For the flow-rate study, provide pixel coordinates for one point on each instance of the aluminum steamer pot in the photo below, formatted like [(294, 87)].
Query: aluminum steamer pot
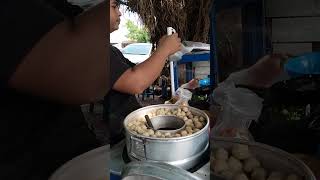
[(271, 158), (184, 152)]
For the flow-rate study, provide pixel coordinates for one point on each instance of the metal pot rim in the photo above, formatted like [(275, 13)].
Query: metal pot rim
[(172, 139), (175, 139)]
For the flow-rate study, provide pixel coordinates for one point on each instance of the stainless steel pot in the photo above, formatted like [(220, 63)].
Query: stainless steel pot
[(184, 152), (271, 158)]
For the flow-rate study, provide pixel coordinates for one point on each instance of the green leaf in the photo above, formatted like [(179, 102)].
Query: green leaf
[(140, 35)]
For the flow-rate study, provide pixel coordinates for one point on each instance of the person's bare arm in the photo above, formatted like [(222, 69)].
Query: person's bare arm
[(68, 65), (135, 80)]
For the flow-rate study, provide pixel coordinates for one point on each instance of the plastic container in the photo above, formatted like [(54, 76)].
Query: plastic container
[(204, 82), (306, 64)]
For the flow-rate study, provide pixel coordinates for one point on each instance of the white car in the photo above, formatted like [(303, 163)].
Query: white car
[(117, 45), (137, 52)]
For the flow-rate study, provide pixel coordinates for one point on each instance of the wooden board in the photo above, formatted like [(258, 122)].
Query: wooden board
[(292, 48), (285, 8), (296, 29)]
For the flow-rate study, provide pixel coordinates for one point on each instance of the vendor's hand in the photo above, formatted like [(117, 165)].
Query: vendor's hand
[(272, 62), (267, 69), (169, 44)]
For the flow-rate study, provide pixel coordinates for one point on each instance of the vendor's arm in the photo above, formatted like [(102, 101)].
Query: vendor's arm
[(135, 80), (68, 64)]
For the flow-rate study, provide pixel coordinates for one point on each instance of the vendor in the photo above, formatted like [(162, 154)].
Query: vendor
[(131, 79), (49, 66)]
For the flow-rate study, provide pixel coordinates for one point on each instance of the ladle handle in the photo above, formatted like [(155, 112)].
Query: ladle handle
[(149, 121)]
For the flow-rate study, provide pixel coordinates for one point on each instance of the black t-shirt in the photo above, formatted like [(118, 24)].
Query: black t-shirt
[(118, 105), (37, 135)]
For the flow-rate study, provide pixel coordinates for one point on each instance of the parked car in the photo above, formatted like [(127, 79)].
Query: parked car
[(137, 52)]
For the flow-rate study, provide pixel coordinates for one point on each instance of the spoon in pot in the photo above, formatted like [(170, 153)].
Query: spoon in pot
[(149, 123)]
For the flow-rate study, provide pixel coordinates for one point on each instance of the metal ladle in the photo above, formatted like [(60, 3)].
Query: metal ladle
[(149, 123)]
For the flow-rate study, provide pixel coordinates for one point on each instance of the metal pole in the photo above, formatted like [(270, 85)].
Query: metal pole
[(170, 31)]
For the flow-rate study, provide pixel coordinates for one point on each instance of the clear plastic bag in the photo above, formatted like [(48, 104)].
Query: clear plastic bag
[(184, 96), (237, 108), (187, 47), (178, 55)]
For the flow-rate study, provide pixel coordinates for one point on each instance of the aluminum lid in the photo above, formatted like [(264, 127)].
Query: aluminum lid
[(145, 170), (92, 165)]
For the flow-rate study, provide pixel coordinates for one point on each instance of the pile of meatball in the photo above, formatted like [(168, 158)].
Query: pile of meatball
[(240, 164), (194, 123)]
